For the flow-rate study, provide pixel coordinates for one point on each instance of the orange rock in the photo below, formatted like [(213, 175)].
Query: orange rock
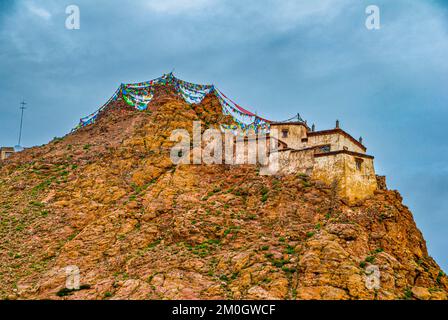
[(421, 293), (108, 199)]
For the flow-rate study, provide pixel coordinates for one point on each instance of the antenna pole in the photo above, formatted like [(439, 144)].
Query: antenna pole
[(22, 107)]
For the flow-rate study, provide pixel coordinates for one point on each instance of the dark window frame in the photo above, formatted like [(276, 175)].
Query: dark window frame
[(358, 163)]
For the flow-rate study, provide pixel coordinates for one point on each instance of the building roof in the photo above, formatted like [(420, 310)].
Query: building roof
[(8, 149), (337, 131)]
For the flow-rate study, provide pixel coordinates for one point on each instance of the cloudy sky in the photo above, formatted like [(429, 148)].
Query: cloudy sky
[(274, 57)]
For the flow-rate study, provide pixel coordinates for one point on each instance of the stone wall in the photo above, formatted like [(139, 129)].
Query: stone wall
[(353, 183), (6, 152), (337, 141), (295, 134), (289, 162)]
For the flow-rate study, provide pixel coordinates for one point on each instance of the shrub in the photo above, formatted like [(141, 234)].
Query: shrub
[(306, 184), (37, 204), (288, 270), (252, 217), (309, 234), (264, 197), (264, 190), (279, 263), (266, 280), (290, 250), (407, 294), (154, 244), (224, 278), (41, 186), (302, 175)]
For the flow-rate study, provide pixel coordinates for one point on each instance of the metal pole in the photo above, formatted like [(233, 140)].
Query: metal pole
[(23, 103)]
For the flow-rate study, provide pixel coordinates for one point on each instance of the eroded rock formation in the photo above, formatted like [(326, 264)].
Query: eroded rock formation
[(108, 199)]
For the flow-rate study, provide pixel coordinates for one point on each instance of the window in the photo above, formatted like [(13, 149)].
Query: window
[(324, 149), (345, 148), (285, 133), (304, 139), (358, 162)]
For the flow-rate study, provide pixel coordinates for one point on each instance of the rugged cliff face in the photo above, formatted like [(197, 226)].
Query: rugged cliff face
[(108, 199)]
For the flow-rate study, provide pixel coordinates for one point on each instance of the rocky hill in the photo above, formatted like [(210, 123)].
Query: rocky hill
[(108, 199)]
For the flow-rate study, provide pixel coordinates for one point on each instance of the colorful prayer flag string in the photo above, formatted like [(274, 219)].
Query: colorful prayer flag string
[(138, 95)]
